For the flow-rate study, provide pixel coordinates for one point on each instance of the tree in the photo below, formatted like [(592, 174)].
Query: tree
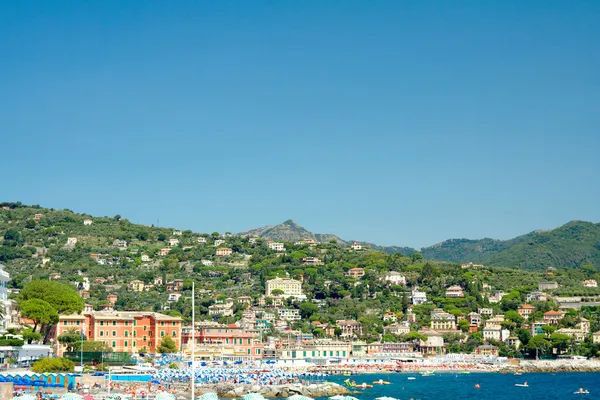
[(162, 237), (40, 311), (167, 345), (416, 257), (539, 343), (463, 324), (548, 329), (53, 365), (307, 309), (415, 336), (30, 336), (70, 338), (30, 224), (143, 236), (62, 297), (277, 292), (93, 345)]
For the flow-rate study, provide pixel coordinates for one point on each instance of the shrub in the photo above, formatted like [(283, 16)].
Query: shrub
[(53, 365)]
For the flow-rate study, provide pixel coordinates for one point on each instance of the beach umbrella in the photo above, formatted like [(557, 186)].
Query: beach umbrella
[(299, 397), (253, 396), (88, 397), (71, 396), (208, 396), (25, 397)]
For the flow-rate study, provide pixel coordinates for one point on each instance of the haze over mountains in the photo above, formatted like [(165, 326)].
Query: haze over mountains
[(572, 245)]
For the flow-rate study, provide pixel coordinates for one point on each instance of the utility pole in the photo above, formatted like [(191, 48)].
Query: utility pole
[(193, 340), (81, 352)]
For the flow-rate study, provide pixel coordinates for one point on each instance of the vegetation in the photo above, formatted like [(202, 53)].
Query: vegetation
[(53, 365), (39, 251), (167, 345)]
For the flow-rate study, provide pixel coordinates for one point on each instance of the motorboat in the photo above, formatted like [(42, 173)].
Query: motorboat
[(411, 378), (381, 382), (522, 384), (582, 391)]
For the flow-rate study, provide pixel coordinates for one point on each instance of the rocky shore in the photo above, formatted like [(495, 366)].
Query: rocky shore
[(560, 365), (231, 390)]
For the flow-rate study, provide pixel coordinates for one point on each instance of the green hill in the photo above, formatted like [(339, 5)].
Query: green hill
[(571, 245)]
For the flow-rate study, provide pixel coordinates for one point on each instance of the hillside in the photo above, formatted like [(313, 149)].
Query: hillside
[(572, 245), (290, 231)]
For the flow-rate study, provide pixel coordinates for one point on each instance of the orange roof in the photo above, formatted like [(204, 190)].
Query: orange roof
[(552, 312), (527, 306)]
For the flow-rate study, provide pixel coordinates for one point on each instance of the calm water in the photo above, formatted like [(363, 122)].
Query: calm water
[(450, 386)]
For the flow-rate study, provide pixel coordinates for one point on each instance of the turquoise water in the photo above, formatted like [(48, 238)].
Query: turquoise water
[(450, 386)]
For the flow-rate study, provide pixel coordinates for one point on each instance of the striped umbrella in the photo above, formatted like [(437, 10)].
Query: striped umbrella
[(299, 397), (71, 396), (253, 396), (209, 396)]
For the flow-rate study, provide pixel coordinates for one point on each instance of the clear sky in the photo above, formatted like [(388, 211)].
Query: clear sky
[(395, 122)]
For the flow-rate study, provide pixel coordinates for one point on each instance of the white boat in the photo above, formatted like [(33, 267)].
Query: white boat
[(411, 378), (522, 384), (581, 391)]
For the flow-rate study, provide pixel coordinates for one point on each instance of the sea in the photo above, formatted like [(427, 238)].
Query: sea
[(492, 386)]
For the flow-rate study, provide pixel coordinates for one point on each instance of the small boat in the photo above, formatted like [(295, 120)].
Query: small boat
[(411, 378), (518, 373), (522, 384), (364, 385), (381, 382), (582, 391)]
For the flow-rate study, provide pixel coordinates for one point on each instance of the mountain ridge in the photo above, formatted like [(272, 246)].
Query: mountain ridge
[(571, 245)]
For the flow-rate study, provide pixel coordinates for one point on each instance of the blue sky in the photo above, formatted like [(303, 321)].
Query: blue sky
[(395, 122)]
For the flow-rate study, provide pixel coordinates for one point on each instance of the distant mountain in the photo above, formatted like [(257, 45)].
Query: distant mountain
[(290, 231), (572, 245)]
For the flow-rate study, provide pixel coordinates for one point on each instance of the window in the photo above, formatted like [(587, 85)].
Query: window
[(134, 343), (162, 323), (248, 351), (126, 323), (145, 327), (101, 323), (126, 333), (248, 341), (114, 323), (174, 334), (144, 337), (162, 333), (126, 343), (227, 341), (114, 344), (134, 322), (258, 352), (65, 323), (134, 333), (174, 323), (303, 353), (114, 333), (101, 333), (77, 322)]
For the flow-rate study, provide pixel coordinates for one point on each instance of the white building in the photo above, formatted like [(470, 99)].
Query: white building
[(173, 242), (289, 314), (218, 242), (173, 297), (206, 263), (177, 233), (589, 283), (201, 240), (87, 221), (289, 287), (356, 246), (71, 241), (418, 297), (146, 258), (4, 279), (276, 246), (395, 278)]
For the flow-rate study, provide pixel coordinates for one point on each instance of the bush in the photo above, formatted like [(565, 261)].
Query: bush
[(102, 367), (173, 366), (53, 365)]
